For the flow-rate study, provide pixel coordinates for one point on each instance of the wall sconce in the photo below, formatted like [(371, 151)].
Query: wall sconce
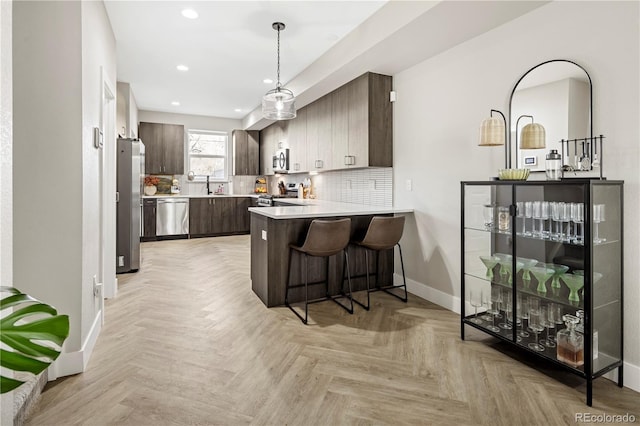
[(493, 132), (533, 136)]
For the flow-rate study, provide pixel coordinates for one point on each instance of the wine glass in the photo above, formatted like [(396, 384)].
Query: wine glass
[(545, 322), (486, 302), (475, 298), (496, 299), (552, 320), (507, 306), (535, 325), (598, 217), (577, 215), (488, 213), (557, 316), (526, 268), (522, 305), (559, 270)]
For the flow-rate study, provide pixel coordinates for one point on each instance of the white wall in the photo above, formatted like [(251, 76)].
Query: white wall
[(127, 111), (442, 101), (98, 165), (6, 184), (57, 171), (48, 176)]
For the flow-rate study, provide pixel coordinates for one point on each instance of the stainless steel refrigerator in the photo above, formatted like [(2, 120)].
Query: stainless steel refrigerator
[(129, 182)]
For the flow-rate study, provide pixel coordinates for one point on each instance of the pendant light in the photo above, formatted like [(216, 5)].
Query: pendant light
[(278, 103), (493, 132)]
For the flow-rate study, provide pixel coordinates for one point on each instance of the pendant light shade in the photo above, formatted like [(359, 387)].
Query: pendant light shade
[(279, 103), (533, 136), (492, 132)]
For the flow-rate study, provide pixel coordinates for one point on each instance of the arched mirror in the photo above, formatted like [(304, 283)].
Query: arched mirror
[(557, 95)]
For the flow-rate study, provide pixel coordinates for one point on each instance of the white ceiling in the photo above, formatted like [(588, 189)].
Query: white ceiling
[(229, 49)]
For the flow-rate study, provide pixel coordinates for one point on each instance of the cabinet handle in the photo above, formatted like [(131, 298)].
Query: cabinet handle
[(318, 164), (154, 210), (349, 160), (296, 166)]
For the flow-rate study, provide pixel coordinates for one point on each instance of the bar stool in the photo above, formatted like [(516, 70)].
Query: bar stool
[(325, 238), (383, 233)]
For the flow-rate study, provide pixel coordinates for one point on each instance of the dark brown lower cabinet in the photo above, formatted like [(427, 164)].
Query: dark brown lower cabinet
[(148, 220), (218, 216)]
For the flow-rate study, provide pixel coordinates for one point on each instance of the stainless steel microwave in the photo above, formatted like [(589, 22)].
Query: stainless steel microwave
[(281, 161)]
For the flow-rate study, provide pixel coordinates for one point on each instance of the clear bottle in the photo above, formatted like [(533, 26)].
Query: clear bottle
[(553, 165), (504, 219), (570, 343)]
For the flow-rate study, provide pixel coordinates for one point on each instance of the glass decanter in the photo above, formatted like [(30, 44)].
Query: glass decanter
[(570, 342)]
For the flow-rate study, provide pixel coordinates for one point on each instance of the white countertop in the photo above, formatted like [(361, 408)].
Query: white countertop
[(201, 196), (319, 208)]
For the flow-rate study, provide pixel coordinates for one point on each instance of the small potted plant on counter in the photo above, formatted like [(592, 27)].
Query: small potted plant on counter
[(150, 183)]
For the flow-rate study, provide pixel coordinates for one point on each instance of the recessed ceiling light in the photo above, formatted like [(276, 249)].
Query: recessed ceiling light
[(267, 81), (190, 13), (182, 68), (175, 103), (238, 110)]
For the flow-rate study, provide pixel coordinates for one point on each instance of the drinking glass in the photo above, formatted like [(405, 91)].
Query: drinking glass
[(544, 321), (522, 306), (557, 316), (528, 214), (488, 213), (566, 217), (535, 325), (475, 298), (598, 217), (552, 313), (544, 216), (486, 302), (536, 215), (507, 306), (556, 234), (520, 214), (577, 215)]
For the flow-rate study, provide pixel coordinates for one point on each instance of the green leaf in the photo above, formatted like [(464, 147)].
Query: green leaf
[(18, 362), (40, 324), (7, 384)]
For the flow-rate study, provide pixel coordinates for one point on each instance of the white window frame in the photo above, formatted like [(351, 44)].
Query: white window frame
[(203, 178)]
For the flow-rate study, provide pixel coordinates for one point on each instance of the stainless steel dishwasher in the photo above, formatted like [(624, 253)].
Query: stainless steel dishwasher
[(172, 216)]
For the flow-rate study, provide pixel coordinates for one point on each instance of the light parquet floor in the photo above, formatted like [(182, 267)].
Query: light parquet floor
[(186, 342)]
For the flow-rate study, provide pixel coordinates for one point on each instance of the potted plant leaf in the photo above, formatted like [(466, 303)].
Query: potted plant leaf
[(28, 326)]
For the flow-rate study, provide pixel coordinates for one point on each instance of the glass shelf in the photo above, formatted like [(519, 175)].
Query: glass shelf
[(498, 232)]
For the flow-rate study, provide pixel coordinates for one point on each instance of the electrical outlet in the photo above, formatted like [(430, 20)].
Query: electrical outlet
[(409, 185), (264, 235), (347, 184), (96, 286), (372, 185), (120, 260)]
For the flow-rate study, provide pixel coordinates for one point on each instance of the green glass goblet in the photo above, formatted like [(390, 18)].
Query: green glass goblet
[(526, 268), (559, 270), (542, 274), (507, 265), (490, 262), (574, 283)]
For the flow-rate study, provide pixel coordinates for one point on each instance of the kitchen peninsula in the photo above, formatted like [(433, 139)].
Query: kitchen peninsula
[(273, 229)]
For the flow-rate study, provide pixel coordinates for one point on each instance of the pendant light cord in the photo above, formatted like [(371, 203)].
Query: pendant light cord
[(278, 73)]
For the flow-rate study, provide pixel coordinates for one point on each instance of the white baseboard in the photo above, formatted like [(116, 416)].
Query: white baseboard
[(631, 372), (69, 363)]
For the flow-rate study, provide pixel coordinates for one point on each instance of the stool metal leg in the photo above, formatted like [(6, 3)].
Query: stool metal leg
[(306, 290), (335, 298), (366, 260), (404, 279)]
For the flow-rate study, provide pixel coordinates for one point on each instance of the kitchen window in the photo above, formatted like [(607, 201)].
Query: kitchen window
[(208, 154)]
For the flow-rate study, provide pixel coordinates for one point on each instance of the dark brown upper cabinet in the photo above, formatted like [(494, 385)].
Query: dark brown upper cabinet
[(246, 148), (164, 148)]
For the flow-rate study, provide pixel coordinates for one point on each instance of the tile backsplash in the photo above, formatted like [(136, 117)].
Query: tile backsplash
[(372, 186)]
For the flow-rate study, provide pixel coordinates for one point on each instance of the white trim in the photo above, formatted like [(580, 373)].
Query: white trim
[(452, 303), (69, 363), (431, 294)]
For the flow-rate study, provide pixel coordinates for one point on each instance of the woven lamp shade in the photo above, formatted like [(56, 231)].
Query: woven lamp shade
[(492, 132), (533, 136)]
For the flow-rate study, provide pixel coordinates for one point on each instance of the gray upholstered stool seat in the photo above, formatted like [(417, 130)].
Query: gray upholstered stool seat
[(325, 238), (383, 233)]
